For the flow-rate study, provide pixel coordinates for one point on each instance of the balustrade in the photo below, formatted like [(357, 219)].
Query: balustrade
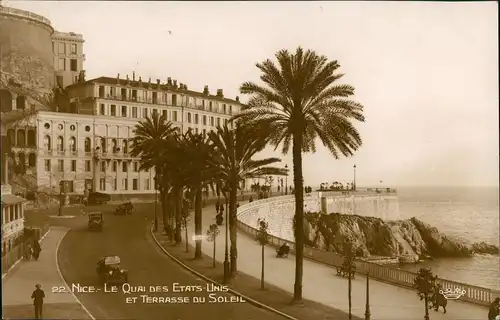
[(474, 294)]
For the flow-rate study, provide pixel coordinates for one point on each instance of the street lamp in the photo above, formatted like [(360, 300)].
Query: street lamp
[(226, 253), (286, 180), (354, 182), (367, 308)]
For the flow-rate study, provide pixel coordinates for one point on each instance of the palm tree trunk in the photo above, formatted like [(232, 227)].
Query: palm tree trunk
[(172, 204), (178, 217), (233, 228), (262, 270), (349, 290), (198, 222), (299, 216)]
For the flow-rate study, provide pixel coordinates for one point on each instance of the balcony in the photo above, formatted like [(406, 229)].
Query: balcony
[(114, 156)]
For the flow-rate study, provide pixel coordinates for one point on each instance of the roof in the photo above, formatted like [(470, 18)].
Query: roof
[(10, 199), (143, 84), (112, 260)]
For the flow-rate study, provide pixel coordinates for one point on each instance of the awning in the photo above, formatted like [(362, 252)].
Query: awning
[(10, 199)]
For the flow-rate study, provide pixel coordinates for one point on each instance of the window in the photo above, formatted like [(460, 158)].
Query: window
[(62, 47), (103, 166), (155, 112), (124, 111), (60, 165), (155, 101), (134, 112), (87, 165), (134, 95), (73, 48), (87, 145), (210, 105), (204, 132), (115, 166), (195, 119), (60, 143), (62, 64), (125, 146), (146, 184), (136, 166), (102, 111), (87, 128), (101, 92), (124, 167), (174, 115), (102, 184), (47, 165), (135, 184), (224, 107), (204, 120), (73, 65), (125, 184), (72, 144), (145, 112), (113, 110), (225, 122), (212, 121), (174, 99), (104, 145), (70, 185), (165, 115), (218, 122), (46, 143), (115, 184), (189, 117), (73, 165)]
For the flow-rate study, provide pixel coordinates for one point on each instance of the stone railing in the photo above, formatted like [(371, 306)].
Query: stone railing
[(384, 273), (24, 14)]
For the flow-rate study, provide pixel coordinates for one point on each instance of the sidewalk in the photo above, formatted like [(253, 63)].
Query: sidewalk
[(321, 284), (20, 282)]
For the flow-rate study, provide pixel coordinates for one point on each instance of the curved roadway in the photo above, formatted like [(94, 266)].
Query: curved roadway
[(129, 238)]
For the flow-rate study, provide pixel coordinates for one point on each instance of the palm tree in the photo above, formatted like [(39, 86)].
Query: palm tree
[(234, 149), (300, 102), (152, 142)]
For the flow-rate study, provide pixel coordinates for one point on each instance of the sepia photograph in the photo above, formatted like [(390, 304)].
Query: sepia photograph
[(250, 160)]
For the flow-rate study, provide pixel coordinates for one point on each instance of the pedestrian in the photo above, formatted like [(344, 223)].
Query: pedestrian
[(38, 295), (494, 309), (217, 205), (36, 249)]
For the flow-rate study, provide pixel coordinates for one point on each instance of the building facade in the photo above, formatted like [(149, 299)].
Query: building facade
[(90, 149), (68, 57), (12, 218)]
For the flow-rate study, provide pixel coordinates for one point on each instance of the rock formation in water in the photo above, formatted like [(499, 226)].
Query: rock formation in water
[(371, 236)]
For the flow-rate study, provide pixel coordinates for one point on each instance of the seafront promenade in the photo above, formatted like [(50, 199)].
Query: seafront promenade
[(320, 283)]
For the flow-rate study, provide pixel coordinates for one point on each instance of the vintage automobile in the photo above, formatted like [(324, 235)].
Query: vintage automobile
[(109, 271), (98, 198), (95, 221), (125, 208)]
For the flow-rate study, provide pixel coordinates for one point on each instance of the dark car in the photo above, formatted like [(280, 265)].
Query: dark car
[(95, 221), (98, 198), (109, 271)]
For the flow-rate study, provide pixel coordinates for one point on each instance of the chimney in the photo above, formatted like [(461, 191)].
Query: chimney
[(205, 91), (237, 99), (220, 93), (133, 75), (181, 86), (158, 85), (149, 80), (175, 84), (185, 87), (118, 79), (169, 81)]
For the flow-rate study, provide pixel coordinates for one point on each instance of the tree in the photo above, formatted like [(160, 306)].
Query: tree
[(263, 238), (212, 233), (349, 266), (425, 283), (232, 159), (154, 138), (300, 101), (185, 221)]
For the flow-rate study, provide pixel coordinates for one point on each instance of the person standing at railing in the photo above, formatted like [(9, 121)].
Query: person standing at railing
[(494, 310)]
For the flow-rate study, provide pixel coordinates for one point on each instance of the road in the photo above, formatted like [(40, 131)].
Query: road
[(128, 237)]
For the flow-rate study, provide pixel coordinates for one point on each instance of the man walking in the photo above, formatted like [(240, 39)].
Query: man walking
[(37, 297), (494, 309)]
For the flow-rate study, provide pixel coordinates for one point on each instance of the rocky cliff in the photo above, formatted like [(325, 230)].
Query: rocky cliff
[(371, 236)]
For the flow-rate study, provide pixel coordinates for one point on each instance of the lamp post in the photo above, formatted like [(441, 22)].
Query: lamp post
[(367, 308), (354, 182), (286, 180), (226, 252), (182, 113)]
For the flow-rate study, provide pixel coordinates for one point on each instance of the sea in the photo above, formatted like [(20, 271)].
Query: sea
[(464, 212)]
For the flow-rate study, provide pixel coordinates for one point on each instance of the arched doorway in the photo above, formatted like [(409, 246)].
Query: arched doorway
[(21, 138), (31, 138), (5, 101)]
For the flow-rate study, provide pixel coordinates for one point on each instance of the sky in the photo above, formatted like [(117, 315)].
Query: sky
[(426, 73)]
